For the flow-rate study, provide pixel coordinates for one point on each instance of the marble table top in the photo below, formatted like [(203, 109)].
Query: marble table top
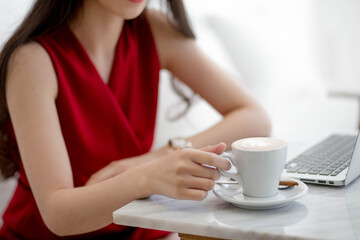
[(325, 212)]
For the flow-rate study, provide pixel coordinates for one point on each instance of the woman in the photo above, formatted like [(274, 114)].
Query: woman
[(79, 82)]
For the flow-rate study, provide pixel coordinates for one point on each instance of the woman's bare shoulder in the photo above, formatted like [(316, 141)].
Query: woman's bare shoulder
[(167, 37), (162, 24), (30, 64), (28, 55)]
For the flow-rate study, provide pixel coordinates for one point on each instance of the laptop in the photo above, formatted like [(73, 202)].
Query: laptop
[(334, 161)]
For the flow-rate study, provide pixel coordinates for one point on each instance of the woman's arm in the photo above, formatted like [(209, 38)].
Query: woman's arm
[(31, 92), (243, 116)]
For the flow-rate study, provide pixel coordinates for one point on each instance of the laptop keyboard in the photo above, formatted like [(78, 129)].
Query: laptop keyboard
[(329, 157)]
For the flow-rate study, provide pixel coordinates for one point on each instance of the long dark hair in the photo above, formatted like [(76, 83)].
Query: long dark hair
[(45, 17)]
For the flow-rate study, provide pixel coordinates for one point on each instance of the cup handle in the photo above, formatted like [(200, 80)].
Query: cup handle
[(229, 174)]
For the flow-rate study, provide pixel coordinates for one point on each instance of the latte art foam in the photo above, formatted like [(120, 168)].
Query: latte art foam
[(259, 144)]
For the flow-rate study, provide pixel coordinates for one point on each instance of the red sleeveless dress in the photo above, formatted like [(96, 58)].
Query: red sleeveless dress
[(100, 122)]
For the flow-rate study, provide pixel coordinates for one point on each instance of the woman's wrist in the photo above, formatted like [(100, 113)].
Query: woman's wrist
[(161, 152), (146, 184), (146, 180)]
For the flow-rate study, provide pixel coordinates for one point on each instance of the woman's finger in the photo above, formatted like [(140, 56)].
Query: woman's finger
[(193, 194), (204, 172), (217, 149), (200, 183), (207, 158)]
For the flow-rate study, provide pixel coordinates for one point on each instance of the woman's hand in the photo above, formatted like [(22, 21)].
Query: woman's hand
[(186, 173), (120, 166)]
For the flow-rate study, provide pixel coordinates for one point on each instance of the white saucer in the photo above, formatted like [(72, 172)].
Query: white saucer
[(233, 193)]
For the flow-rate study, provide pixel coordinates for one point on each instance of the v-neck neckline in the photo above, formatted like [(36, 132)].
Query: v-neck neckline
[(85, 53)]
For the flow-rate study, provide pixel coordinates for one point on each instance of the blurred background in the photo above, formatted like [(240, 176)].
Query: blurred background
[(299, 58)]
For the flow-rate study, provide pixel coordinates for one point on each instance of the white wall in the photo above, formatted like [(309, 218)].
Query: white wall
[(11, 14), (337, 39), (267, 41), (285, 41)]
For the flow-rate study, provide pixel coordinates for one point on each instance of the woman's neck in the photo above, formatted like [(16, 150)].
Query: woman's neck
[(97, 29)]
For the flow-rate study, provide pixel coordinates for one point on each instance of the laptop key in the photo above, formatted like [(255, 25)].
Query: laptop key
[(293, 169), (304, 170), (342, 168), (314, 171), (325, 172)]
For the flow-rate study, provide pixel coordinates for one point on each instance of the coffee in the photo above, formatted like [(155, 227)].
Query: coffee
[(259, 144)]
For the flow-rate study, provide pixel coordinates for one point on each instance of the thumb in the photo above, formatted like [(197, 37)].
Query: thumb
[(217, 149)]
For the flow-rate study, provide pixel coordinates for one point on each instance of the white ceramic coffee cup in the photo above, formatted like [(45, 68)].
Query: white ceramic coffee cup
[(259, 163)]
